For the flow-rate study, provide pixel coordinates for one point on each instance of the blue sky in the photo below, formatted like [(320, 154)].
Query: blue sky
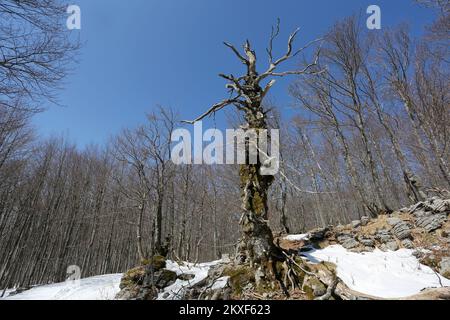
[(138, 54)]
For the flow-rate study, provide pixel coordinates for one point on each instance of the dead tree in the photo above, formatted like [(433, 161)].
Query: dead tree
[(247, 94)]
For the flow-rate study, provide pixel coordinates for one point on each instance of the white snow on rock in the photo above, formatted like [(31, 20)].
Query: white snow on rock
[(392, 274), (95, 288), (220, 283), (296, 237), (199, 271)]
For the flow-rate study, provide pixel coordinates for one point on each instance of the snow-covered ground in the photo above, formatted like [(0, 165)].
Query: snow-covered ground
[(392, 274), (94, 288), (106, 287)]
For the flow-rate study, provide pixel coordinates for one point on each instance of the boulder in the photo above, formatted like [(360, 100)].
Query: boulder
[(384, 236), (432, 222), (393, 221), (367, 242), (318, 234), (314, 286), (402, 230), (431, 206), (390, 246), (349, 243), (408, 244)]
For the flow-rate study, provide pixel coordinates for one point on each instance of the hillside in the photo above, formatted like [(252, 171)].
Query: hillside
[(403, 255)]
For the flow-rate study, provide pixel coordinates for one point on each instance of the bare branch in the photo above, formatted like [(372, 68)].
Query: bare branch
[(236, 52), (213, 109), (267, 88), (273, 36), (305, 70), (289, 54)]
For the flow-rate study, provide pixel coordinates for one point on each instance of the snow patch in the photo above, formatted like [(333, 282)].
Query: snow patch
[(392, 274), (220, 283), (296, 237), (95, 288)]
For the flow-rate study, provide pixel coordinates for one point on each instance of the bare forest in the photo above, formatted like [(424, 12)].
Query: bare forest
[(368, 132)]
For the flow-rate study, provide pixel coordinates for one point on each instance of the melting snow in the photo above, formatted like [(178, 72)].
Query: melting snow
[(392, 274), (94, 288), (199, 271), (296, 237)]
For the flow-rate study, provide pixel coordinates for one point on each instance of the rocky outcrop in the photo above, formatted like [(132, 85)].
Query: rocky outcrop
[(431, 222), (144, 282), (431, 206), (402, 230)]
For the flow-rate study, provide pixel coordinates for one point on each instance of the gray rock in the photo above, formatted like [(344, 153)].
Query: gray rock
[(390, 246), (356, 224), (367, 242), (393, 246), (164, 278), (317, 286), (393, 221), (402, 230), (431, 223), (350, 243), (408, 244), (445, 267), (384, 236), (186, 276), (318, 234), (429, 207), (365, 221)]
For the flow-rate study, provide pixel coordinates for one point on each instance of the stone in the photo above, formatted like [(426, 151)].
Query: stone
[(408, 244), (384, 236), (164, 278), (318, 234), (444, 267), (356, 224), (367, 242), (315, 286), (429, 207), (348, 241), (393, 221), (365, 221), (432, 222), (186, 276), (390, 246), (402, 230), (393, 246)]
